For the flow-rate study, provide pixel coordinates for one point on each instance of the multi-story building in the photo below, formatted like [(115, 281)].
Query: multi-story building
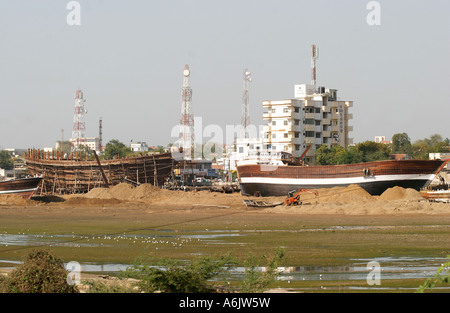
[(312, 118)]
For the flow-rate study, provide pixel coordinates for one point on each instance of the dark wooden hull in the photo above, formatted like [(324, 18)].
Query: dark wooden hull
[(25, 187), (374, 177), (68, 176)]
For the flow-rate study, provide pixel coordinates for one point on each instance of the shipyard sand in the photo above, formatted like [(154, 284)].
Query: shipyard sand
[(351, 200)]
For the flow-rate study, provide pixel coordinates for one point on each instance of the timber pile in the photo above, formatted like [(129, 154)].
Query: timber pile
[(76, 174)]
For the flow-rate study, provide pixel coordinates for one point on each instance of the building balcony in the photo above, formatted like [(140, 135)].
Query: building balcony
[(335, 128), (335, 116)]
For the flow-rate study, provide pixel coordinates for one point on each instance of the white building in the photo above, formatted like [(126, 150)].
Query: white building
[(93, 143), (313, 117), (244, 147), (139, 146), (382, 139)]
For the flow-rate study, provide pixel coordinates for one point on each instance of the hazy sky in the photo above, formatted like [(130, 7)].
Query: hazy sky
[(128, 58)]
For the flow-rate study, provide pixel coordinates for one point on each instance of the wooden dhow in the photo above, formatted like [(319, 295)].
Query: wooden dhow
[(278, 179), (25, 187), (76, 174)]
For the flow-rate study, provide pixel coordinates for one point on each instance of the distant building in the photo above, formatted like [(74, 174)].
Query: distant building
[(313, 117), (190, 170), (244, 147), (13, 152), (93, 143), (139, 146), (382, 139)]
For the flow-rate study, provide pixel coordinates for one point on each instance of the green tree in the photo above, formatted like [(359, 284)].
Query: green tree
[(401, 144), (422, 147), (66, 146), (6, 161), (371, 151), (86, 150), (115, 148)]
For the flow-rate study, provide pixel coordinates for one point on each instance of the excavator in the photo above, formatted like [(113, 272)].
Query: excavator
[(293, 197)]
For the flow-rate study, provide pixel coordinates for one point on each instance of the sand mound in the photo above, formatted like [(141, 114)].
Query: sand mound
[(399, 193), (100, 193), (352, 193), (145, 192), (14, 199), (122, 191), (91, 201), (126, 192)]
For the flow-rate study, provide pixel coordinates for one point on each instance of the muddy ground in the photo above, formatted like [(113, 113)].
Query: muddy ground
[(322, 231)]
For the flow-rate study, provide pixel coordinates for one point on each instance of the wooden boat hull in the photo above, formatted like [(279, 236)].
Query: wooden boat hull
[(25, 187), (374, 177), (439, 193), (69, 176)]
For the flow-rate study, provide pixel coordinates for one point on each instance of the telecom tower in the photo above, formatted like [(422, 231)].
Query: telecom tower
[(79, 127), (186, 139), (314, 57), (245, 117)]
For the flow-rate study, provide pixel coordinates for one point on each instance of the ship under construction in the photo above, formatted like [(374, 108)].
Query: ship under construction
[(73, 174)]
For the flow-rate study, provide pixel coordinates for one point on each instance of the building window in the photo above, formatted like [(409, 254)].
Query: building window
[(297, 122), (274, 135), (297, 110), (241, 149), (285, 123), (274, 123), (285, 110), (286, 148), (286, 135), (274, 110), (297, 147), (297, 135)]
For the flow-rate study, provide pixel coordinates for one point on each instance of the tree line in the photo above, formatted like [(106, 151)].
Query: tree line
[(368, 151)]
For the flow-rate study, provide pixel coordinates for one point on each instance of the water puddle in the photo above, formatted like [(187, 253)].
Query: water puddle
[(390, 268)]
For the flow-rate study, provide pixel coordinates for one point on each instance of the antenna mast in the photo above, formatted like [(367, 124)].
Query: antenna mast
[(186, 138), (245, 117), (100, 135), (314, 57)]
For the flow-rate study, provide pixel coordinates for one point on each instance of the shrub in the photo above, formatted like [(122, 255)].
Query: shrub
[(256, 280), (442, 277), (173, 276), (41, 272)]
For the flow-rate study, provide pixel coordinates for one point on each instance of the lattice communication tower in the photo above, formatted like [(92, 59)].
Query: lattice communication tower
[(187, 138), (245, 117), (79, 126)]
